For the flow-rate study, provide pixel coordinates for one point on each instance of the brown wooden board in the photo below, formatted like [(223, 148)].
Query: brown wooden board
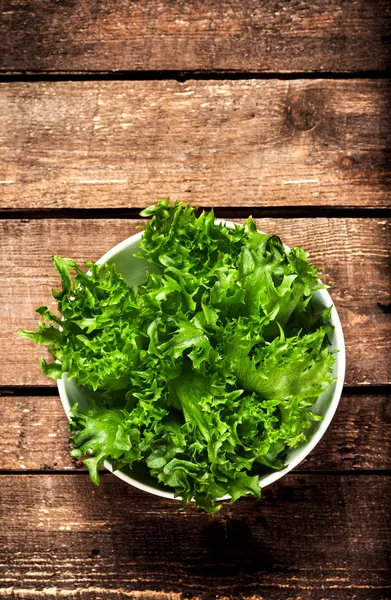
[(34, 435), (309, 537), (94, 593), (119, 144), (354, 255), (235, 35)]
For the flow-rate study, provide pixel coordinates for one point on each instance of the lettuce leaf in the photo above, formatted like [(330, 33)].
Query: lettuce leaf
[(204, 375)]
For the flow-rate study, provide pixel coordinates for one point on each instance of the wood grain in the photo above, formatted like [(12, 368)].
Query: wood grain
[(233, 35), (354, 254), (91, 593), (34, 435), (311, 536), (214, 143)]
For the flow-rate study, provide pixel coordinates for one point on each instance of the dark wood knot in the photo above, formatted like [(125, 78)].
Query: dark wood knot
[(305, 110)]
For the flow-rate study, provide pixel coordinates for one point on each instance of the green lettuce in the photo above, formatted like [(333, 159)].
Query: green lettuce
[(204, 375)]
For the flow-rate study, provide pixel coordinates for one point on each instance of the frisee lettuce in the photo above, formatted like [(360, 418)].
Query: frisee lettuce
[(207, 372)]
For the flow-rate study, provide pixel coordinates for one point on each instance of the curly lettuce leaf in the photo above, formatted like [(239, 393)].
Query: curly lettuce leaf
[(99, 433), (207, 372)]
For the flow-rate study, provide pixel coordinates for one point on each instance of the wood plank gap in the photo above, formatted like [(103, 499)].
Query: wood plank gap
[(56, 472), (343, 472), (34, 390), (371, 390), (102, 471), (349, 390), (240, 212), (183, 76)]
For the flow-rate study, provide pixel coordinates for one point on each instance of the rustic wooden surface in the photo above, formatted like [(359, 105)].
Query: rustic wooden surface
[(118, 144), (77, 537), (232, 35), (280, 109), (33, 430), (354, 254)]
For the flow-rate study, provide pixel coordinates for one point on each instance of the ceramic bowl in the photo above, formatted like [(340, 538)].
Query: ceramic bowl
[(133, 270)]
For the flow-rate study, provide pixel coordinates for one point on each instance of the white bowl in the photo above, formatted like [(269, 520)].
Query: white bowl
[(133, 270)]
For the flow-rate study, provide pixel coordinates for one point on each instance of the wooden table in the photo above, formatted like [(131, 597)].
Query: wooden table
[(276, 109)]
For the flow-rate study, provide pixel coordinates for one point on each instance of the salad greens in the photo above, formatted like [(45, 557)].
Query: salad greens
[(207, 372)]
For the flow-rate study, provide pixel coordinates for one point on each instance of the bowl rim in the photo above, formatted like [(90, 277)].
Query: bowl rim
[(303, 451)]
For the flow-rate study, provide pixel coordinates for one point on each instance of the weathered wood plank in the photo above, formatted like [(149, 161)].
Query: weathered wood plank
[(34, 436), (310, 536), (93, 593), (354, 254), (214, 143), (204, 35)]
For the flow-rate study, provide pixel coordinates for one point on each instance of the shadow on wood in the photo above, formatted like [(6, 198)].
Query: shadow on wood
[(309, 531)]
